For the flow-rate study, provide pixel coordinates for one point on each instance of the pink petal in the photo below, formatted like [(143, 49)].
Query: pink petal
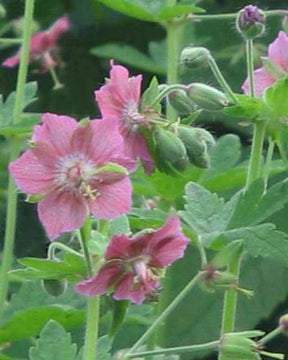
[(118, 248), (136, 293), (30, 175), (40, 43), (135, 146), (102, 282), (164, 245), (56, 131), (114, 199), (61, 26), (11, 61), (262, 81), (121, 90), (278, 50), (61, 212)]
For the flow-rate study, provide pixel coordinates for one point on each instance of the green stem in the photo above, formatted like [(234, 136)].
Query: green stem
[(269, 158), (230, 298), (217, 73), (178, 350), (14, 153), (231, 16), (202, 251), (57, 83), (166, 91), (250, 66), (164, 314), (56, 245), (10, 41), (270, 336), (93, 303)]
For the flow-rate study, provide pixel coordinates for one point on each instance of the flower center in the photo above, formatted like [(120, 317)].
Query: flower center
[(75, 173), (131, 116)]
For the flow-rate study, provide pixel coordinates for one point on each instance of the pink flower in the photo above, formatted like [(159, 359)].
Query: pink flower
[(278, 56), (133, 265), (121, 97), (43, 46), (64, 166)]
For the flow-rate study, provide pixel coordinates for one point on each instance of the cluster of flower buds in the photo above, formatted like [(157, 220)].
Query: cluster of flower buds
[(183, 145)]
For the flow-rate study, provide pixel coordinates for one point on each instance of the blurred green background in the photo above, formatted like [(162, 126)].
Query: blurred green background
[(96, 27)]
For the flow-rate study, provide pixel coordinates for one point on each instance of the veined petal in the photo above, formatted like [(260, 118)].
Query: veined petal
[(113, 199), (57, 131), (61, 212), (118, 248), (262, 80), (102, 282), (278, 50), (31, 175)]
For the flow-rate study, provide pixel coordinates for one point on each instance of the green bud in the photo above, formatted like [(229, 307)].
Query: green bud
[(283, 324), (207, 97), (191, 56), (180, 102), (250, 22), (238, 347), (212, 278), (170, 151), (54, 287)]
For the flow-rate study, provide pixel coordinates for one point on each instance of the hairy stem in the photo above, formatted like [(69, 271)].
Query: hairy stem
[(231, 16), (14, 153), (164, 314)]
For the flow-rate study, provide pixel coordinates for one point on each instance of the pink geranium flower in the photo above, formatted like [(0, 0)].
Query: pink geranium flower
[(121, 97), (133, 265), (65, 165), (43, 46), (278, 56)]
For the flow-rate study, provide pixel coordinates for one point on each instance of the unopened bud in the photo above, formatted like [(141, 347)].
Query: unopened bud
[(191, 56), (236, 347), (54, 287), (250, 22), (170, 151), (283, 324), (212, 278), (180, 102), (207, 97)]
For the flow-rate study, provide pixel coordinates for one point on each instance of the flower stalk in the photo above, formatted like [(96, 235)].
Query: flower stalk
[(14, 152)]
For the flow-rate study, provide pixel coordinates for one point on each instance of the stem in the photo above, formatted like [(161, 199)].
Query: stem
[(14, 153), (93, 303), (234, 15), (164, 314), (270, 336), (217, 73), (178, 350), (202, 251), (10, 41), (250, 66), (166, 91), (269, 158), (56, 245), (57, 83)]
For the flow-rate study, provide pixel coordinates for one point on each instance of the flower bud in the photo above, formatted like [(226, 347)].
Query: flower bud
[(212, 278), (191, 56), (170, 151), (283, 323), (180, 102), (54, 287), (196, 145), (207, 97), (250, 22), (238, 347)]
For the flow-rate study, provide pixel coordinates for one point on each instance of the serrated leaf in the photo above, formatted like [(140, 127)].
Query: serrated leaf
[(249, 108), (170, 12), (53, 343), (29, 322)]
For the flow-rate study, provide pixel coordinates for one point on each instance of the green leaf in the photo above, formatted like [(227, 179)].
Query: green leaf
[(191, 118), (130, 8), (104, 347), (170, 12), (150, 93), (141, 218), (276, 98), (129, 55), (25, 126), (7, 108), (72, 267), (53, 343), (249, 108), (118, 316), (29, 322), (119, 225)]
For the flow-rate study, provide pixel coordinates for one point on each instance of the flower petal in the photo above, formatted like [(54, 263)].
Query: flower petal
[(61, 212), (11, 61), (114, 199), (262, 81), (31, 175), (61, 26), (118, 248), (278, 50), (40, 43), (102, 282), (57, 131)]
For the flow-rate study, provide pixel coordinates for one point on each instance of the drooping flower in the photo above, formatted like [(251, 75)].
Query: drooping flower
[(76, 169), (43, 47), (121, 97), (275, 68), (133, 265)]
